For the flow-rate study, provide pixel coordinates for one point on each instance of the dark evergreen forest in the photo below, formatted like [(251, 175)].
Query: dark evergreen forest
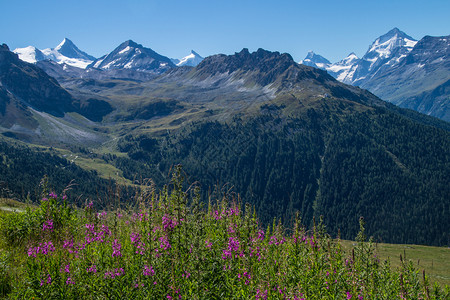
[(377, 164)]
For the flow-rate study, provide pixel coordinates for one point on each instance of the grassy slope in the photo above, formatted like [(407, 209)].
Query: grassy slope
[(434, 260), (10, 205), (85, 161)]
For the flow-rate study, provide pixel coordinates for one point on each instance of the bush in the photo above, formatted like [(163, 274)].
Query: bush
[(169, 247)]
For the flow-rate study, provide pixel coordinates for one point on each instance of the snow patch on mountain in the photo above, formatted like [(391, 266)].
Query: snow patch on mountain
[(54, 55), (193, 59), (344, 69), (314, 60), (30, 54), (128, 48)]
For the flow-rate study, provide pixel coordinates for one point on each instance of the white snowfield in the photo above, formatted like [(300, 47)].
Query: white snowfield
[(28, 54), (193, 59), (31, 54), (126, 49), (54, 55), (386, 51)]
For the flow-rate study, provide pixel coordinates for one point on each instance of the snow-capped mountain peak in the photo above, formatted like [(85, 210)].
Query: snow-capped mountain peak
[(68, 49), (384, 53), (30, 54), (66, 42), (314, 60), (193, 59), (343, 70), (131, 55), (65, 53), (393, 45), (350, 58)]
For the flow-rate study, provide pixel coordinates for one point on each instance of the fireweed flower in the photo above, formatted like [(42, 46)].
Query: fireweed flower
[(71, 248), (136, 241), (349, 296), (70, 281), (92, 269), (231, 229), (261, 294), (65, 269), (233, 211), (217, 215), (47, 225), (168, 223), (68, 244), (53, 195), (261, 235), (48, 281), (44, 248), (148, 271), (91, 235), (273, 240), (246, 275), (164, 243), (233, 246), (116, 248), (141, 217), (135, 238), (33, 251), (114, 274)]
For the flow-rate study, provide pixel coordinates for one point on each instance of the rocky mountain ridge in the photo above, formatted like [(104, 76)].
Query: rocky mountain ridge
[(388, 70)]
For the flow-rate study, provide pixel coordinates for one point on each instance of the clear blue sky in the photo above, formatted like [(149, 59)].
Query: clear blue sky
[(332, 28)]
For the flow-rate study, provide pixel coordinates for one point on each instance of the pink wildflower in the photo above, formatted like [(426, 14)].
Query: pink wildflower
[(164, 243), (92, 269), (47, 225), (148, 271), (116, 248), (261, 235), (168, 223)]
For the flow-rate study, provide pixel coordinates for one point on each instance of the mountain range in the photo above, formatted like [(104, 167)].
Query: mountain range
[(382, 70), (397, 68), (132, 56), (282, 136), (65, 53), (128, 61)]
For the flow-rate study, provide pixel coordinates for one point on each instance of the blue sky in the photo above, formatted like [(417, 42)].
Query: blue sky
[(331, 28)]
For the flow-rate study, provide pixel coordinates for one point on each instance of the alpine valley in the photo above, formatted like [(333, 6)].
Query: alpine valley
[(282, 136)]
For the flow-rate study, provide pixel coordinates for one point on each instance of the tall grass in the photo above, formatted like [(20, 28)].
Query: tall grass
[(170, 247)]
